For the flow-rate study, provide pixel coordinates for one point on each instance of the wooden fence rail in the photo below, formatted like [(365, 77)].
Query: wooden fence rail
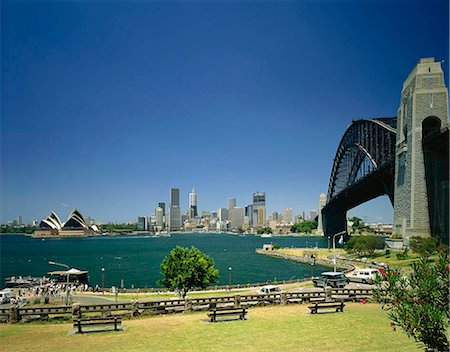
[(134, 308)]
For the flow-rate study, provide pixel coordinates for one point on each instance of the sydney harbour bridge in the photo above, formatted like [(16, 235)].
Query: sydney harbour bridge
[(404, 157)]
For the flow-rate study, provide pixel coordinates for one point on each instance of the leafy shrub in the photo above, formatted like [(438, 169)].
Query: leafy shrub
[(396, 236), (423, 246)]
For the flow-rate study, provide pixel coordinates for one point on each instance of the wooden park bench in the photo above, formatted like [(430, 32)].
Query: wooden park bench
[(339, 306), (97, 321), (214, 313)]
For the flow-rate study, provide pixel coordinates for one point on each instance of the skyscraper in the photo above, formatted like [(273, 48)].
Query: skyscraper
[(249, 213), (231, 203), (174, 197), (236, 216), (288, 215), (193, 203), (259, 202), (159, 217), (175, 210), (163, 207), (223, 214)]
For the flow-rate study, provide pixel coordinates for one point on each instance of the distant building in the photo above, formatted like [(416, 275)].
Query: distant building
[(142, 223), (193, 203), (175, 210), (75, 225), (206, 214), (261, 215), (259, 202), (222, 214), (231, 203), (159, 218), (288, 215), (19, 220), (163, 207), (236, 216), (249, 214), (312, 215), (275, 216)]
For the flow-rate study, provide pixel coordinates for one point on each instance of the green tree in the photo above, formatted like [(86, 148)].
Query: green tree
[(364, 245), (419, 303), (423, 246), (267, 230), (305, 226), (187, 268)]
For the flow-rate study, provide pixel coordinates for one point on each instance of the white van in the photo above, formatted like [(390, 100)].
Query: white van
[(5, 296), (365, 276), (265, 290)]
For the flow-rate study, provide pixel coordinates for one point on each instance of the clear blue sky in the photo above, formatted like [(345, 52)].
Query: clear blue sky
[(106, 105)]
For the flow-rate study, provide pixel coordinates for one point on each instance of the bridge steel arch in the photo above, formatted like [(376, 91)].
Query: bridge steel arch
[(363, 169)]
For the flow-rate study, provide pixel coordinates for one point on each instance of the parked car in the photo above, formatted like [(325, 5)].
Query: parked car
[(332, 279), (365, 276), (269, 289), (5, 296)]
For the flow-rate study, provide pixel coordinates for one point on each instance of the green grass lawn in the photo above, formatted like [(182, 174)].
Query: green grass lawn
[(275, 328)]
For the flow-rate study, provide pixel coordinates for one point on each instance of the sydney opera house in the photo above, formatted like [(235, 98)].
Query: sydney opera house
[(75, 225)]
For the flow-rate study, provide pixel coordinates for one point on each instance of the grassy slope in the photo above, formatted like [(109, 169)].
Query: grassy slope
[(276, 328)]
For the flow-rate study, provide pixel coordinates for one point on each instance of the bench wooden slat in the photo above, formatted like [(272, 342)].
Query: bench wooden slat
[(227, 311), (338, 305)]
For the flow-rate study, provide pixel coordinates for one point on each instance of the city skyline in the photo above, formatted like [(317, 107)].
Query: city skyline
[(107, 106)]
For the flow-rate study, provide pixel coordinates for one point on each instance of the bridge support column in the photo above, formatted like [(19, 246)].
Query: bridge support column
[(424, 97)]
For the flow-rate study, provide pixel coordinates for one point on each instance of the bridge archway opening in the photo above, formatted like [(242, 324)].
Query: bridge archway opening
[(430, 125), (378, 210)]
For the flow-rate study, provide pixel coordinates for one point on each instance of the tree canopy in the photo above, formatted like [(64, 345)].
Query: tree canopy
[(305, 226), (187, 268), (364, 245)]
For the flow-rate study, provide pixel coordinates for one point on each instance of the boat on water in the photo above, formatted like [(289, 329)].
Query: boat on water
[(266, 235)]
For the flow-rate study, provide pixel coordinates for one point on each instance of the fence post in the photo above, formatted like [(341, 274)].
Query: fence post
[(187, 305), (237, 301), (76, 311), (134, 308), (14, 314), (283, 298)]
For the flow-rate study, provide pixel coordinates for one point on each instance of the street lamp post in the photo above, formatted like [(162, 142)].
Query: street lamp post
[(229, 277), (103, 281), (334, 247), (67, 283)]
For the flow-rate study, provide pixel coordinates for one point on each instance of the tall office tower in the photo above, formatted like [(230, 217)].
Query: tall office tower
[(19, 220), (231, 203), (303, 215), (236, 216), (163, 207), (322, 202), (223, 214), (259, 201), (193, 202), (249, 213), (142, 224), (159, 217), (261, 215), (275, 216), (175, 197), (288, 215), (312, 215), (175, 210)]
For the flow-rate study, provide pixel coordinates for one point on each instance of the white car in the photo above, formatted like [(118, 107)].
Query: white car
[(365, 276), (265, 290)]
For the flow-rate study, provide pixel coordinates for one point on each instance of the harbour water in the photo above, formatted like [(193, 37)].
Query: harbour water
[(136, 259)]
